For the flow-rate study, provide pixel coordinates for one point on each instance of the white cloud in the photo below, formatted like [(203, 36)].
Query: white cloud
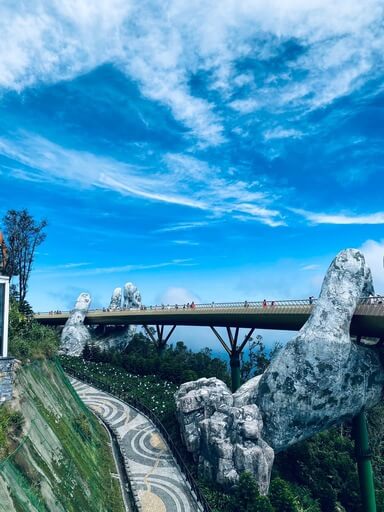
[(281, 133), (175, 295), (182, 226), (374, 256), (185, 242), (71, 270), (244, 106), (161, 45), (325, 218), (310, 267), (183, 180), (64, 266)]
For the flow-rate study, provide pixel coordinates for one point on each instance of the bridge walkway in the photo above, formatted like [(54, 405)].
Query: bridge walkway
[(368, 319)]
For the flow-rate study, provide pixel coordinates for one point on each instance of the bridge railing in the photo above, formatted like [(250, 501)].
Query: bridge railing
[(267, 306)]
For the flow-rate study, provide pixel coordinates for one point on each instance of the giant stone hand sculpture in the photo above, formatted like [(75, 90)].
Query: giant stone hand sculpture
[(132, 297), (75, 334), (115, 302), (319, 379)]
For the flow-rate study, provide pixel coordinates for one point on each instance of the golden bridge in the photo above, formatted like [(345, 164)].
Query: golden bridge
[(290, 315)]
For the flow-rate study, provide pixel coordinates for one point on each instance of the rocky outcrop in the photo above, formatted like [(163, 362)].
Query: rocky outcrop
[(7, 371), (75, 334), (115, 299), (317, 380), (224, 439), (132, 297)]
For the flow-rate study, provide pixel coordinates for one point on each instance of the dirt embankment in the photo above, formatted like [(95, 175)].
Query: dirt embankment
[(62, 461)]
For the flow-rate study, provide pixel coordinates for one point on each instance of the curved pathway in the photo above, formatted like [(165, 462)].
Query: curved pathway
[(160, 484)]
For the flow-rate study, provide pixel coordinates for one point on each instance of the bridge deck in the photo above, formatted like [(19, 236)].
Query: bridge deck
[(289, 315)]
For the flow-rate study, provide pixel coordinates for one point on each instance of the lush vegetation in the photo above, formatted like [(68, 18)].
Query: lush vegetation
[(154, 392), (23, 235), (28, 339), (174, 363), (11, 423), (316, 475)]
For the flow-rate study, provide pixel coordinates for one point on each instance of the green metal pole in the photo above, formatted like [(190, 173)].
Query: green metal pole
[(364, 464), (235, 371)]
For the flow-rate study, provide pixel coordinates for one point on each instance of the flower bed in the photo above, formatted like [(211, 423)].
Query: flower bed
[(155, 393)]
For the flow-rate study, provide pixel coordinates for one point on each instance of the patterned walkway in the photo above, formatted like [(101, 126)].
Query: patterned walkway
[(161, 486)]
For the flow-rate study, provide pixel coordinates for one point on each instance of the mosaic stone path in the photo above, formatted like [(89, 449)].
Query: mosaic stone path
[(160, 484)]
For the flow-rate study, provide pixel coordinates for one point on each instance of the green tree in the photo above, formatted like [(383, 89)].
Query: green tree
[(86, 354), (258, 359), (27, 338), (246, 493), (23, 235), (262, 504), (281, 496)]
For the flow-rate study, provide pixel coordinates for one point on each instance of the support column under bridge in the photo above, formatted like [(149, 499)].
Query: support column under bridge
[(157, 335), (234, 351)]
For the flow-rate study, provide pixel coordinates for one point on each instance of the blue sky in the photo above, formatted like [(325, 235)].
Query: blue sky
[(203, 150)]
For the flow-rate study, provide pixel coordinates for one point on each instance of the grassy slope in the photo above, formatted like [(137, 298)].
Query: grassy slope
[(64, 462)]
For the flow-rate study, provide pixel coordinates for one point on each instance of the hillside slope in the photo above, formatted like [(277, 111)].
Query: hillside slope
[(62, 462)]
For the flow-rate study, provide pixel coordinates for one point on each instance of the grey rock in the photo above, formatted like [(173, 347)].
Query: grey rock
[(225, 440), (75, 334), (7, 370), (115, 299), (319, 379), (197, 401)]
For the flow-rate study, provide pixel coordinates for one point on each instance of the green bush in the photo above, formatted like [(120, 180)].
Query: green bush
[(263, 504), (176, 363), (246, 493), (11, 424), (325, 465), (282, 497), (81, 425), (27, 338)]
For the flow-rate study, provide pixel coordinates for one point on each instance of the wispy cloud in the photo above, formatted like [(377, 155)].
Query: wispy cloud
[(185, 242), (182, 226), (69, 271), (281, 133), (64, 266), (325, 218), (180, 180), (310, 267), (333, 47)]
